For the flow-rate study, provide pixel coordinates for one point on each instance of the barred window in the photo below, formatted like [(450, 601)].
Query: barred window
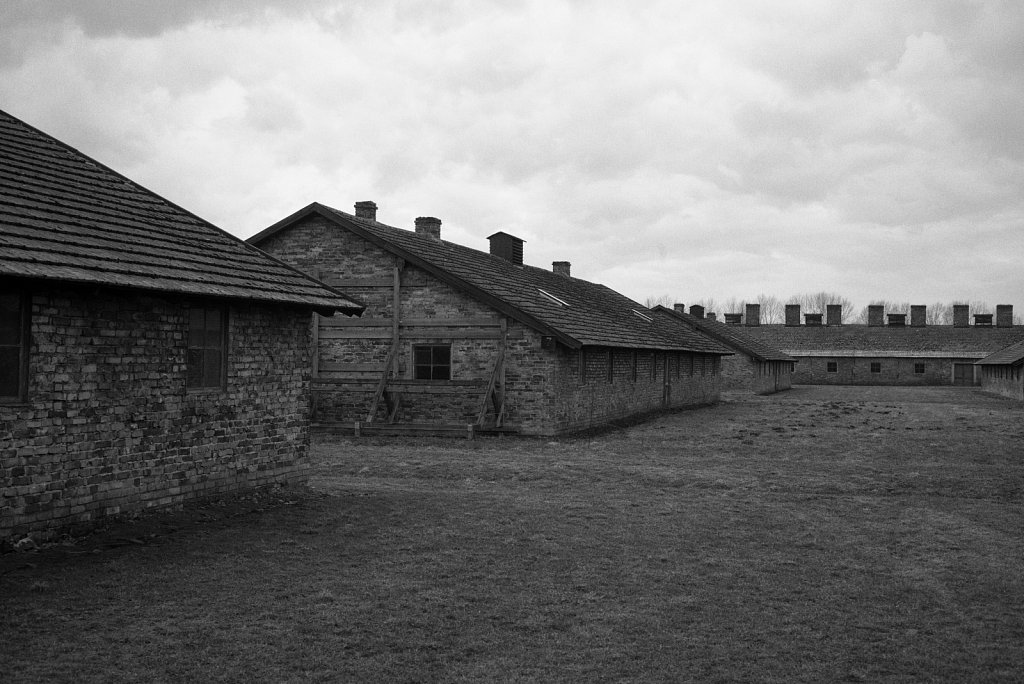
[(432, 361), (207, 347), (14, 339)]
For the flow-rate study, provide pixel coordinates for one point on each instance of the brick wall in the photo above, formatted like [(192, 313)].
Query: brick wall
[(109, 426), (857, 371)]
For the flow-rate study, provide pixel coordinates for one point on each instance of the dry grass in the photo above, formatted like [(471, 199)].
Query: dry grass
[(819, 535)]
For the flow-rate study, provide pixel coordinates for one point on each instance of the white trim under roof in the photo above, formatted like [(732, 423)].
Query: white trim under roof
[(885, 354)]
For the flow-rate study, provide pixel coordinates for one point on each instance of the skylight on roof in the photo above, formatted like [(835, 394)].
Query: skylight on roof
[(642, 315), (556, 300)]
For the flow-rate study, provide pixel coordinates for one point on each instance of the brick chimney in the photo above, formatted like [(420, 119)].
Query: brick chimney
[(961, 316), (793, 315), (833, 314), (897, 320), (918, 316), (983, 320), (697, 311), (680, 307), (753, 314), (561, 267), (813, 320), (366, 210), (733, 318), (508, 247), (876, 315), (711, 316), (429, 226), (1004, 315)]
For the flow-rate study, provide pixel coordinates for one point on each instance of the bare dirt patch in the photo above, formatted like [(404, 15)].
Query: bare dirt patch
[(822, 534)]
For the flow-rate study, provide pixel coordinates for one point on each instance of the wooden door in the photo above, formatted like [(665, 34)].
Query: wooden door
[(963, 373)]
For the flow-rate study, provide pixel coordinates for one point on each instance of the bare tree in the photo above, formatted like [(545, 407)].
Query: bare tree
[(734, 305), (662, 300), (938, 314), (772, 309)]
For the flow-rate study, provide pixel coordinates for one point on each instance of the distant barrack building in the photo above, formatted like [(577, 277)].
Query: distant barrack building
[(459, 339), (889, 349)]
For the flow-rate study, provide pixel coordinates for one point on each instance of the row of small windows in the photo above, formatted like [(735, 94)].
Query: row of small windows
[(606, 364), (205, 360), (876, 367)]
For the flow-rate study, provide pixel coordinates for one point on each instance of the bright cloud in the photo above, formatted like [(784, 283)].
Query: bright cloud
[(700, 149)]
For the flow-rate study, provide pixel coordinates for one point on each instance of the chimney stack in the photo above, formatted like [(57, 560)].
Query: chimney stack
[(793, 315), (697, 311), (876, 315), (1004, 315), (897, 320), (508, 247), (813, 320), (833, 314), (918, 315), (429, 226), (753, 314), (961, 316), (733, 318), (983, 320), (711, 316), (561, 268), (366, 210), (680, 307)]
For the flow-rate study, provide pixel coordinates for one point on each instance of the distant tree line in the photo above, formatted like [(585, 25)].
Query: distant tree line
[(773, 309)]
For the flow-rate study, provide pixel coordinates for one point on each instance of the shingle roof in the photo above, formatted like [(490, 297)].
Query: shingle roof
[(66, 217), (575, 311), (1008, 356), (729, 335)]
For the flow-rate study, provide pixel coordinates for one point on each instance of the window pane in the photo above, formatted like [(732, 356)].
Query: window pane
[(10, 319), (211, 368), (442, 355), (10, 371), (213, 328), (421, 356), (196, 328), (194, 363)]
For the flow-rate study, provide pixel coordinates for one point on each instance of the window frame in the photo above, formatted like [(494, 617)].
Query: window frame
[(23, 345), (831, 366), (416, 366), (205, 383), (875, 367), (921, 366)]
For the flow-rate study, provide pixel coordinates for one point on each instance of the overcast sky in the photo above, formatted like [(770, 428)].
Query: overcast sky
[(689, 149)]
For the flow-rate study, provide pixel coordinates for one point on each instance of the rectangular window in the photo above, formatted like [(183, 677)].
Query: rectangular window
[(876, 366), (832, 367), (636, 363), (611, 366), (432, 361), (583, 367), (654, 365), (207, 347), (919, 368), (13, 347)]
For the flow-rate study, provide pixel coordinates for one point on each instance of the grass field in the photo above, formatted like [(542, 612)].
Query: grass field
[(823, 534)]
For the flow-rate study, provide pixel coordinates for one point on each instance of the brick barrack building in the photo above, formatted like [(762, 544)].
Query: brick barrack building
[(464, 339), (146, 356)]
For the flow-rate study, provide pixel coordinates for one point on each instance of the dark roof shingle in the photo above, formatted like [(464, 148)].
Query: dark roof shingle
[(1007, 356), (575, 311), (728, 335), (64, 216)]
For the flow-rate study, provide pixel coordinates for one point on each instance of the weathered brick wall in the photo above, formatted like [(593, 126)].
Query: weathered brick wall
[(109, 426), (857, 371), (1004, 380)]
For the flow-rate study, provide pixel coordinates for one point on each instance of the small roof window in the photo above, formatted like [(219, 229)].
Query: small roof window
[(556, 300), (642, 315)]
